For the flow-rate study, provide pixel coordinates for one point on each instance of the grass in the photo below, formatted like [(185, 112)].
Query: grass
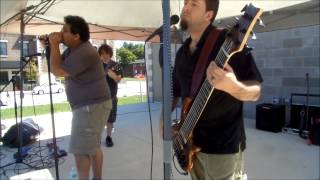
[(132, 79), (60, 107)]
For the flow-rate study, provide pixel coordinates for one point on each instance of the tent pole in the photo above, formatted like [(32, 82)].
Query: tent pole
[(167, 143)]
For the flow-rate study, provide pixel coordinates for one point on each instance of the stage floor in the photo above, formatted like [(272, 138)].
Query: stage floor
[(268, 155)]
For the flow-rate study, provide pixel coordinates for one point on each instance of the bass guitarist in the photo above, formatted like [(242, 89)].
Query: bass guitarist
[(219, 135)]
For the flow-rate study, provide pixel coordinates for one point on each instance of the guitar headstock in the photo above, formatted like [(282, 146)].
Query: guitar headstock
[(241, 31)]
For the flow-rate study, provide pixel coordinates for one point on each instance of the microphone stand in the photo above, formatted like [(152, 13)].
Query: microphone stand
[(55, 149), (18, 155)]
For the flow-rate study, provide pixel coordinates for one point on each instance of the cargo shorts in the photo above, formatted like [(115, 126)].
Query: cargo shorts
[(87, 126)]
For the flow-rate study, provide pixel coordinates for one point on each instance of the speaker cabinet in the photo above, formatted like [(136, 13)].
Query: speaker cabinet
[(270, 117)]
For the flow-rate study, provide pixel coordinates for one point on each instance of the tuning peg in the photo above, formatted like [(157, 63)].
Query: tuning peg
[(261, 23), (254, 37), (244, 8)]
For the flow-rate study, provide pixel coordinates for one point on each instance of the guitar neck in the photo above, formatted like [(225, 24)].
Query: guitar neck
[(204, 93)]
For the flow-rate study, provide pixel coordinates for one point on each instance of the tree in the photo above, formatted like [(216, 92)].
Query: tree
[(31, 70), (129, 53), (138, 51), (125, 56)]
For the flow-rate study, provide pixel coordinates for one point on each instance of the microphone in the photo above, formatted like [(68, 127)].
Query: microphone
[(45, 39), (174, 19)]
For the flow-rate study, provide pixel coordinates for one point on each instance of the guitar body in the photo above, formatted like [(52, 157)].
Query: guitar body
[(192, 109), (188, 149)]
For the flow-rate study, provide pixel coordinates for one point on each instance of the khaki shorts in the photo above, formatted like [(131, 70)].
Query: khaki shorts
[(87, 126), (218, 167)]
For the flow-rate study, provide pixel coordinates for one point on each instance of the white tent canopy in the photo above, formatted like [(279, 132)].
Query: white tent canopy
[(110, 19)]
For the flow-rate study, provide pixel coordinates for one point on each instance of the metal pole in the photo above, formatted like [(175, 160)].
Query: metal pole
[(19, 128), (167, 144), (141, 97)]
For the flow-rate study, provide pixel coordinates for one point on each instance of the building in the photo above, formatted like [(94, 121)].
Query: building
[(10, 55)]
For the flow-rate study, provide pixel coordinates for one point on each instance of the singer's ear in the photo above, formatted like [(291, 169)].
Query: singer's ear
[(76, 37), (209, 15)]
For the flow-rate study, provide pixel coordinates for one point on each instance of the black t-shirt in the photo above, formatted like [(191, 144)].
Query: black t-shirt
[(115, 67), (220, 128)]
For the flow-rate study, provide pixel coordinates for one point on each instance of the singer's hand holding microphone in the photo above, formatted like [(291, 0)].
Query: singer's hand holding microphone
[(50, 41), (54, 38)]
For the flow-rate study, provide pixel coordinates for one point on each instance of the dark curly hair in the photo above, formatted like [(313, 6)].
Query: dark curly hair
[(212, 5), (106, 48), (78, 26)]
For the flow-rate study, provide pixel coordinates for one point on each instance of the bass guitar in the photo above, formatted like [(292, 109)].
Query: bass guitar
[(235, 41)]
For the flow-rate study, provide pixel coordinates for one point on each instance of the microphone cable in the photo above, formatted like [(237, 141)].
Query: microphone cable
[(149, 110)]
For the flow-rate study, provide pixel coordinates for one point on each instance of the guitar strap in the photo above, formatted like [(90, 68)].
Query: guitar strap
[(203, 61)]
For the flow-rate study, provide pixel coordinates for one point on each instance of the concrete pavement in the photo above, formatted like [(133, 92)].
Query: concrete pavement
[(268, 156)]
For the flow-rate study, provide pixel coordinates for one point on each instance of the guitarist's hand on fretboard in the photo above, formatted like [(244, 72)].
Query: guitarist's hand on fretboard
[(222, 79)]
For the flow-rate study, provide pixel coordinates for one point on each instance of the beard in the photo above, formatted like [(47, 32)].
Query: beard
[(184, 25)]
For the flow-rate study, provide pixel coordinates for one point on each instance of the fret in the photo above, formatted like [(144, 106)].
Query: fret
[(220, 59), (225, 53), (196, 110)]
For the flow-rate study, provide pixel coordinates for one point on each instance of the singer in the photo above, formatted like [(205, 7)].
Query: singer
[(218, 138), (87, 92)]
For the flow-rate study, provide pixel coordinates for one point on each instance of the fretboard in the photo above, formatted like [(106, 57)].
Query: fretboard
[(203, 95)]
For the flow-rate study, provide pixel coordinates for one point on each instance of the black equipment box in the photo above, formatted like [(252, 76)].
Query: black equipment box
[(270, 117)]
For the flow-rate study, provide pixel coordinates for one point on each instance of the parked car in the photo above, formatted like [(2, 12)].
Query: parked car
[(4, 98), (44, 88)]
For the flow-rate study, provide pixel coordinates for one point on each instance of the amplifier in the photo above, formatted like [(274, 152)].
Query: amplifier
[(270, 117)]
